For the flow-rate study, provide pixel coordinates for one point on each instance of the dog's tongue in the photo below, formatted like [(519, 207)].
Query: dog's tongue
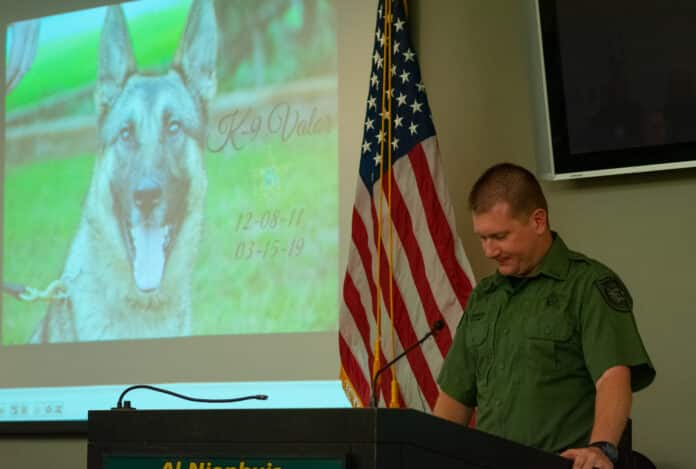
[(148, 262)]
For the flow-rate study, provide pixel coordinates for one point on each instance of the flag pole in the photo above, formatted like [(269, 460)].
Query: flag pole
[(386, 121), (394, 388), (376, 362)]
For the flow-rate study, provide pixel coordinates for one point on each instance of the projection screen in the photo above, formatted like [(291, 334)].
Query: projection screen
[(170, 205)]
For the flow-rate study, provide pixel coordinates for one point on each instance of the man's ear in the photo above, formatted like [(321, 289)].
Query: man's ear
[(540, 219)]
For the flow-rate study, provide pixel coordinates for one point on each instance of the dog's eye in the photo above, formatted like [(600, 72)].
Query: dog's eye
[(174, 127), (126, 134)]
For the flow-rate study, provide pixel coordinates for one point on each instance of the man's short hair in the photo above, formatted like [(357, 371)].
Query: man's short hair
[(510, 183)]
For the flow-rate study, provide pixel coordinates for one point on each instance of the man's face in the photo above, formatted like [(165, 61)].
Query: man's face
[(517, 244)]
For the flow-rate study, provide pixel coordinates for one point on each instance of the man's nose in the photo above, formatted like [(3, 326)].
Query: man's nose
[(490, 248)]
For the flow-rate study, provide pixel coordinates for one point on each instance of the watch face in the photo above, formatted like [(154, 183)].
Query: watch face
[(608, 449)]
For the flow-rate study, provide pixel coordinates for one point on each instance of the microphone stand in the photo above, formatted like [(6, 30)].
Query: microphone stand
[(437, 327)]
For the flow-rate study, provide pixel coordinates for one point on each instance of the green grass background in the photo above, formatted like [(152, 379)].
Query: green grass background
[(42, 210), (230, 295), (76, 57)]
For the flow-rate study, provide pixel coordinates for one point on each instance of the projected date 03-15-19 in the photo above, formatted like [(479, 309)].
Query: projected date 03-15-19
[(268, 249)]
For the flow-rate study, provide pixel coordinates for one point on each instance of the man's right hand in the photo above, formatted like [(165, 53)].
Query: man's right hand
[(588, 458)]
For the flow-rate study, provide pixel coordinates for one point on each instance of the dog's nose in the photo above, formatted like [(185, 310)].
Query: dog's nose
[(147, 196)]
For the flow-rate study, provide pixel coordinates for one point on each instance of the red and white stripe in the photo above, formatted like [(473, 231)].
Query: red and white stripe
[(431, 279)]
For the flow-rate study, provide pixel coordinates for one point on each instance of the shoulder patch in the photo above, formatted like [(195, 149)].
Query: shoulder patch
[(615, 293)]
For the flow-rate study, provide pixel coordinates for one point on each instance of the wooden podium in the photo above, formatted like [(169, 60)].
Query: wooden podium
[(298, 439)]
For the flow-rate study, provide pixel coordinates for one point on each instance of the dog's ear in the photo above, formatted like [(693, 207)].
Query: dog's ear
[(197, 53), (116, 60)]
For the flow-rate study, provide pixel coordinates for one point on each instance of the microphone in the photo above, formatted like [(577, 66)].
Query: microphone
[(434, 329), (121, 405)]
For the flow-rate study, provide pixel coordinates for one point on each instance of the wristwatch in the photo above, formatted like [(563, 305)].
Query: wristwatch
[(609, 450)]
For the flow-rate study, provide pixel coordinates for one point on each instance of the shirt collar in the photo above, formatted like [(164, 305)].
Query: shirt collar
[(556, 262)]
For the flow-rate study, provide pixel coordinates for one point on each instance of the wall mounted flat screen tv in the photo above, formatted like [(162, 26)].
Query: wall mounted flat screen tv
[(614, 86)]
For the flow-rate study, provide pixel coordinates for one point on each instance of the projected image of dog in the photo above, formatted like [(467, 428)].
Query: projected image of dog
[(128, 271)]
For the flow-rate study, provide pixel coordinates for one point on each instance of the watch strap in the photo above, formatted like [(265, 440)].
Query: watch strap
[(609, 450)]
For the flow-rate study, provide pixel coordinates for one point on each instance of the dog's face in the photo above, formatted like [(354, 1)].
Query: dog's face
[(150, 174), (153, 136)]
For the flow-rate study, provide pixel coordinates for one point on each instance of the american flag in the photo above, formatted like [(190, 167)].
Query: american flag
[(398, 284)]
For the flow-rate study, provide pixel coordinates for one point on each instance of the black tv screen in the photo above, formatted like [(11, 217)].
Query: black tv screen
[(616, 86)]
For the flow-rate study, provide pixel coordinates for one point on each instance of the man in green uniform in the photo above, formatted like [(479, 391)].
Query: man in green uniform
[(547, 351)]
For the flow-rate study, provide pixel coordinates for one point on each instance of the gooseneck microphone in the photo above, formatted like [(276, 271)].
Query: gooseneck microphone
[(434, 329), (121, 405)]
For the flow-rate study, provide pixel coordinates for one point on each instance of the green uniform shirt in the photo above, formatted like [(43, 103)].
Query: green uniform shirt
[(527, 352)]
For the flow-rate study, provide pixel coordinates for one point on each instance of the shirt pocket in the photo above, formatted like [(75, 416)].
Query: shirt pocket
[(477, 342), (476, 331), (548, 333)]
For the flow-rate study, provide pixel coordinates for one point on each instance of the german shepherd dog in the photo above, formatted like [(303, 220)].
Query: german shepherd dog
[(128, 271)]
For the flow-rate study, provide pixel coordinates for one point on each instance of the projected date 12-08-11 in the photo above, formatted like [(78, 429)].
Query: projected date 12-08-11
[(269, 219)]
